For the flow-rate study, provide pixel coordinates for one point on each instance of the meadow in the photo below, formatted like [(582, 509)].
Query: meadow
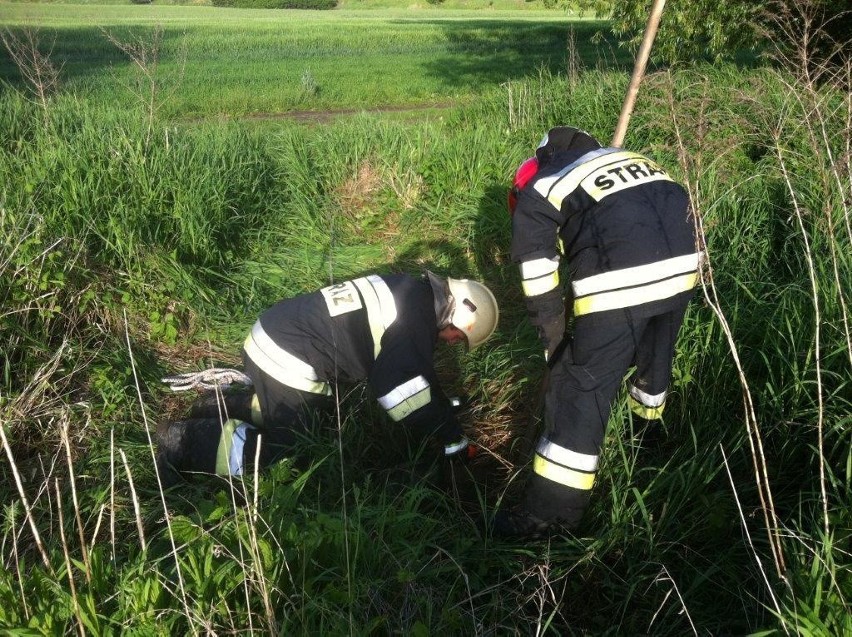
[(260, 64), (191, 165)]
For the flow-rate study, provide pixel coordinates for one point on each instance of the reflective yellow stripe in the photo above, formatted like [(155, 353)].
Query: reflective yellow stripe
[(223, 451), (281, 364), (407, 398), (381, 307), (635, 296), (534, 287), (410, 405), (643, 411), (256, 414), (563, 475)]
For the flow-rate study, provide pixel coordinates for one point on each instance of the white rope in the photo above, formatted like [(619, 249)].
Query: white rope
[(207, 379)]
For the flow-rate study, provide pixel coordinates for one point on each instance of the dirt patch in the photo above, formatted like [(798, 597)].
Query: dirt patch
[(326, 116), (321, 117)]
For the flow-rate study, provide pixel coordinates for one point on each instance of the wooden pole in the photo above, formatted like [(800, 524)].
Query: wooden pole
[(638, 72)]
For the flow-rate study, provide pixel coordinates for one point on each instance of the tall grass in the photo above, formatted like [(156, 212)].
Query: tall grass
[(130, 251)]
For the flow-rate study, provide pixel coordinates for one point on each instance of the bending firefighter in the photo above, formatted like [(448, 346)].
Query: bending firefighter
[(626, 231), (378, 329)]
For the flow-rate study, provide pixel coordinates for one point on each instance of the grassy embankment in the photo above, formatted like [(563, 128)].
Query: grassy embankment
[(142, 239)]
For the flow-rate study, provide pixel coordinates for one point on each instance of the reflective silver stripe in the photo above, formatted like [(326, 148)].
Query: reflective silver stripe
[(281, 364), (638, 275), (566, 457), (238, 445), (407, 398), (547, 186), (456, 447), (635, 296), (600, 173), (381, 307), (535, 268), (648, 400), (229, 453)]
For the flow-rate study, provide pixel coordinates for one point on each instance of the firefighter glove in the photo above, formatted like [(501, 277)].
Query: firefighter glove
[(457, 450)]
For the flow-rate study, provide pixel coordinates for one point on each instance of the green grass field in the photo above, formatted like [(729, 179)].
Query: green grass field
[(269, 62), (167, 191)]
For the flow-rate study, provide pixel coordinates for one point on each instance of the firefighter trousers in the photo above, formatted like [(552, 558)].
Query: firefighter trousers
[(584, 382), (285, 413)]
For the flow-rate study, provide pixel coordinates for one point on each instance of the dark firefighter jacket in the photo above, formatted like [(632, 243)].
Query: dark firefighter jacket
[(382, 329), (624, 227)]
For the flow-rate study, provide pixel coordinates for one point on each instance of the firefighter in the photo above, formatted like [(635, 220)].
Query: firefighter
[(378, 329), (625, 230)]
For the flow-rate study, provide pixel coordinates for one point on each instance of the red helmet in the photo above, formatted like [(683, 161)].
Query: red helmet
[(526, 171)]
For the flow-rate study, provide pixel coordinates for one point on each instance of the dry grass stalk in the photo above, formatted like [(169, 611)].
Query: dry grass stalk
[(691, 165), (271, 622), (817, 330), (22, 494), (97, 528), (159, 480), (16, 556), (69, 570), (817, 71), (29, 401), (663, 577), (145, 56), (136, 508), (345, 507), (38, 71), (72, 481), (112, 491), (744, 526)]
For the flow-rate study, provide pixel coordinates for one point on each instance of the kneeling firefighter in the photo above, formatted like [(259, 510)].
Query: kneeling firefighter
[(382, 329), (625, 228)]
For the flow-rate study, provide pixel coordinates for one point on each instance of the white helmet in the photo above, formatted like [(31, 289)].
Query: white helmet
[(475, 312)]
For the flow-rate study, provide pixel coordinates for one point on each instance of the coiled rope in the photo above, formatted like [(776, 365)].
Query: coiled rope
[(216, 377)]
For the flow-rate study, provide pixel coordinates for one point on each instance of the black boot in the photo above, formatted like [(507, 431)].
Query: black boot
[(547, 508), (648, 435), (519, 523), (187, 446), (223, 405)]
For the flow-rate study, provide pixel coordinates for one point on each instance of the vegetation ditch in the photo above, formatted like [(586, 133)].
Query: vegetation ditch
[(133, 246)]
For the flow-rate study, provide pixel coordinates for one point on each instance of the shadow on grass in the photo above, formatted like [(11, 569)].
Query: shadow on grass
[(489, 52), (474, 53)]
